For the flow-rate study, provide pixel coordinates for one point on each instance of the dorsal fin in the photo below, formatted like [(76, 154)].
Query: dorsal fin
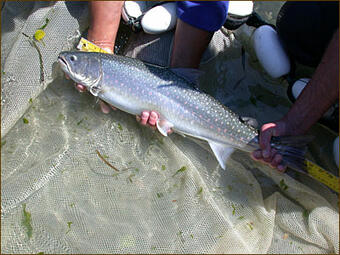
[(191, 75)]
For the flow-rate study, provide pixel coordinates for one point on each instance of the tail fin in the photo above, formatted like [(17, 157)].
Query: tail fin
[(293, 150)]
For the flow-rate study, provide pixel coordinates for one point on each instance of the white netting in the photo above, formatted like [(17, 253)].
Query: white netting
[(59, 196), (20, 62)]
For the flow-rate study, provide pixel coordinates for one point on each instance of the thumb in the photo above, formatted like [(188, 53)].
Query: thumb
[(266, 133)]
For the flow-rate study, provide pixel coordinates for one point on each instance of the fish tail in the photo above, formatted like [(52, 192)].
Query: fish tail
[(293, 150)]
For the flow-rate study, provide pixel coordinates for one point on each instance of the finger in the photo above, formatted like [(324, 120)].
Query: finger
[(144, 117), (281, 168), (272, 153), (276, 160), (256, 155), (104, 107), (153, 118), (80, 88), (265, 137)]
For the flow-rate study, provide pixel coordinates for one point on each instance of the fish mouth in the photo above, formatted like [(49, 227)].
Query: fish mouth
[(64, 65)]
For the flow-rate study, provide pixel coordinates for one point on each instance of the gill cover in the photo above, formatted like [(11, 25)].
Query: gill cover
[(83, 68)]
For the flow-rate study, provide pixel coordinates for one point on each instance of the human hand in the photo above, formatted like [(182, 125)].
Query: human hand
[(105, 108), (150, 118), (267, 154)]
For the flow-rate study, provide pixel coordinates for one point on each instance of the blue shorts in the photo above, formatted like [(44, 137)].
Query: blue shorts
[(206, 15)]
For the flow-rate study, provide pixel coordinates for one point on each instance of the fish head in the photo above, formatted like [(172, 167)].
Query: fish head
[(81, 67)]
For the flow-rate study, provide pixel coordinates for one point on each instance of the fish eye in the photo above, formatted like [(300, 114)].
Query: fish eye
[(73, 58)]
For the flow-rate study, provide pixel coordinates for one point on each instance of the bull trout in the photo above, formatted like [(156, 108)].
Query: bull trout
[(134, 86)]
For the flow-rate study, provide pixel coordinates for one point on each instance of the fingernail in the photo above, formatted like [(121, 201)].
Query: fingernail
[(105, 109), (80, 88), (144, 119), (265, 154), (281, 168)]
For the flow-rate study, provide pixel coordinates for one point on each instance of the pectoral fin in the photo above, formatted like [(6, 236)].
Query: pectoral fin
[(222, 152), (164, 127)]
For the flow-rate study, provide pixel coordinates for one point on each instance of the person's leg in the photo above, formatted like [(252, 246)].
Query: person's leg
[(196, 24), (306, 28), (189, 45)]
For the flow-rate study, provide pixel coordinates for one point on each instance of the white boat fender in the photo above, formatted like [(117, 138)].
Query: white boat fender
[(270, 51), (238, 13), (160, 18)]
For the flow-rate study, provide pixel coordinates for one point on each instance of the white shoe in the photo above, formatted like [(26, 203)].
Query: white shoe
[(238, 13)]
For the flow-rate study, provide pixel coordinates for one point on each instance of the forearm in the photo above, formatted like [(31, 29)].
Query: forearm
[(105, 18), (319, 94)]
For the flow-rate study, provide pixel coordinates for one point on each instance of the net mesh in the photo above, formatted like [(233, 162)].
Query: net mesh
[(59, 194)]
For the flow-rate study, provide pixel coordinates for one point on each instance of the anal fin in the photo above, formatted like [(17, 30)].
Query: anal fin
[(222, 152)]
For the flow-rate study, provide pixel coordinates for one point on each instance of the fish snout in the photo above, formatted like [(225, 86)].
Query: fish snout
[(63, 63)]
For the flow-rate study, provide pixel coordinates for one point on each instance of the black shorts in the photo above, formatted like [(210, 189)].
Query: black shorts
[(306, 28)]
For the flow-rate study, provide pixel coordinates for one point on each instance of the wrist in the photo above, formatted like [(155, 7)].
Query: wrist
[(101, 40)]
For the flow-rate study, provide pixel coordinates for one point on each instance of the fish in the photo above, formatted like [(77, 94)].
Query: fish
[(134, 86)]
